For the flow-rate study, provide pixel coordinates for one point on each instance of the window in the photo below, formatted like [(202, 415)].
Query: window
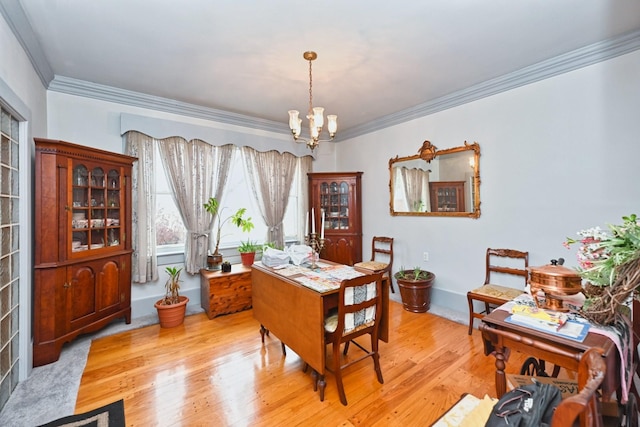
[(9, 252), (171, 233)]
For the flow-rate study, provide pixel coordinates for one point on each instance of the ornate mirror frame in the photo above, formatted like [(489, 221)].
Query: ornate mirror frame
[(445, 182)]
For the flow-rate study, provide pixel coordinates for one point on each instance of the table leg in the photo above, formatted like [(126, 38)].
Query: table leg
[(501, 380), (263, 331), (321, 385)]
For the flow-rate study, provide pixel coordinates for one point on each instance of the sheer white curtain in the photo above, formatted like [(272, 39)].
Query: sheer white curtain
[(416, 187), (192, 168), (270, 178), (143, 240)]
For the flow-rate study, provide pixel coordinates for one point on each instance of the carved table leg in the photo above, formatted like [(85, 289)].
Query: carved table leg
[(321, 386), (314, 377), (501, 380)]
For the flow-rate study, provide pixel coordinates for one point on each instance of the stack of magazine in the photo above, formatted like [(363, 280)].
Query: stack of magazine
[(552, 322)]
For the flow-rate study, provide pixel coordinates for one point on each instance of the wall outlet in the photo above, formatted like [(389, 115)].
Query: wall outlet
[(425, 256)]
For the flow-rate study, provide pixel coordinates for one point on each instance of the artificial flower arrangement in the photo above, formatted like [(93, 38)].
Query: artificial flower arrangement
[(609, 262)]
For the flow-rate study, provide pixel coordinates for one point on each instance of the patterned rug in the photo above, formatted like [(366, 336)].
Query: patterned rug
[(111, 415)]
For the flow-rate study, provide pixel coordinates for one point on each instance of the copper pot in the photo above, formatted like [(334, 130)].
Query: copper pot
[(554, 281)]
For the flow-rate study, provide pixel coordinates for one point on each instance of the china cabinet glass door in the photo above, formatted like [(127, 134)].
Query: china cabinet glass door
[(96, 202), (334, 201)]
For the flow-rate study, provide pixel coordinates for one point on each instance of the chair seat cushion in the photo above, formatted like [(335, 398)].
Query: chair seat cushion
[(497, 291), (371, 265), (351, 323), (331, 321)]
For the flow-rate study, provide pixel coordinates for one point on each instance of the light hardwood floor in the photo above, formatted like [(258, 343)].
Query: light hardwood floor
[(217, 372)]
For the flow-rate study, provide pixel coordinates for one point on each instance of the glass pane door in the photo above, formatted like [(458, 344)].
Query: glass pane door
[(96, 203)]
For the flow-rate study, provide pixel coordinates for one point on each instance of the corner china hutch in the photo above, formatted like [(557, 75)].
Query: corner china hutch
[(82, 278), (447, 196), (339, 196)]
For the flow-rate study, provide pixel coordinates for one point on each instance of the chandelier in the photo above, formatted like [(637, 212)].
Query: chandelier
[(315, 116)]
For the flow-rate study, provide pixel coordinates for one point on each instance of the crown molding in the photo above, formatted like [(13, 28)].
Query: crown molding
[(122, 96), (561, 64), (19, 23)]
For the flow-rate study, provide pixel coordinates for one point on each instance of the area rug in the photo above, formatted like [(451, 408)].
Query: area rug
[(111, 415)]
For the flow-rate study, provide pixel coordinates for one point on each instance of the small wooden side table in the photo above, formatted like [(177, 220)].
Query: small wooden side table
[(224, 293)]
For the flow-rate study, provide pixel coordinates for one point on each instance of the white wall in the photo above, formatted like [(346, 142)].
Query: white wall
[(23, 93), (557, 156)]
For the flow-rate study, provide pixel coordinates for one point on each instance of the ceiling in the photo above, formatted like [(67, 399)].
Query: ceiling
[(376, 58)]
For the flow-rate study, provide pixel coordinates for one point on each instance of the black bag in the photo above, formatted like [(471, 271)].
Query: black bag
[(531, 405)]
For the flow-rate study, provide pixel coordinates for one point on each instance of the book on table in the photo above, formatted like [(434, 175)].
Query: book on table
[(570, 329), (556, 318)]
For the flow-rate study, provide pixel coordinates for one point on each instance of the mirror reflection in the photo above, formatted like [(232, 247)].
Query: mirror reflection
[(436, 182)]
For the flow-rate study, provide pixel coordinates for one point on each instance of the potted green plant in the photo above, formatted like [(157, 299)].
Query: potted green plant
[(172, 307), (248, 251), (415, 288), (238, 218)]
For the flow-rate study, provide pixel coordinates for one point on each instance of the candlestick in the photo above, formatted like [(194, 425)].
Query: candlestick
[(306, 225), (316, 246), (322, 226), (313, 221)]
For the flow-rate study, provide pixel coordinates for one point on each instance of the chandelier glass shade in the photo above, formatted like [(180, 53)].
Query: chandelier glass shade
[(315, 116)]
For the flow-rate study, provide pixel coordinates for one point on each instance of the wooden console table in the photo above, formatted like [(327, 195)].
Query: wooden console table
[(224, 293), (500, 337), (295, 314)]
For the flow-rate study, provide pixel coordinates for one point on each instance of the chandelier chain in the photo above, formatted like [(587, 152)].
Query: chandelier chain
[(310, 89)]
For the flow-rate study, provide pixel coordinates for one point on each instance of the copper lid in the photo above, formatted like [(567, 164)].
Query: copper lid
[(555, 279)]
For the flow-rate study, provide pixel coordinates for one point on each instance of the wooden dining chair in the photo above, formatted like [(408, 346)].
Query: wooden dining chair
[(591, 372), (381, 258), (358, 313), (498, 262)]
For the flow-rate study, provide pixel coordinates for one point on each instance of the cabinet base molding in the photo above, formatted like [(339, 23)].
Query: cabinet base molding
[(49, 351)]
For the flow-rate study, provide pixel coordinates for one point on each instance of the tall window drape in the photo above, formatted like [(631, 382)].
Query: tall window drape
[(144, 266), (270, 178), (416, 187), (196, 171)]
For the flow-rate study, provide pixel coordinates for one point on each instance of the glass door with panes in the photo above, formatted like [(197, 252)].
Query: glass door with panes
[(96, 200)]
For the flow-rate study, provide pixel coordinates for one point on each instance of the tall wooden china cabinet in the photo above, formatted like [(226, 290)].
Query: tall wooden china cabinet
[(82, 278), (339, 196)]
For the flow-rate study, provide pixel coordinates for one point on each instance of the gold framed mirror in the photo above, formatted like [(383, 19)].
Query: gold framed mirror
[(436, 182)]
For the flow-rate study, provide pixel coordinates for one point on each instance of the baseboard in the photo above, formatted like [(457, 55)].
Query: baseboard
[(144, 306)]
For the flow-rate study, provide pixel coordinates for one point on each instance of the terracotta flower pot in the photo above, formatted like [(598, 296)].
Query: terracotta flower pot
[(171, 315), (415, 294), (247, 258)]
